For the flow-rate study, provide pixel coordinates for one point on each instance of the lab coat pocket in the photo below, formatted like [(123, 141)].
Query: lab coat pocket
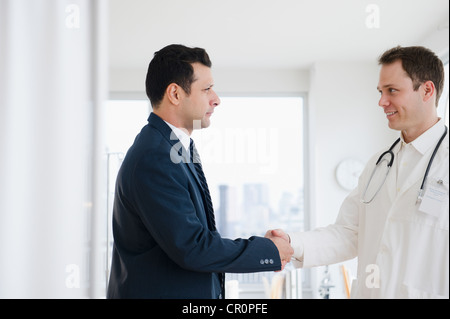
[(425, 262), (433, 208)]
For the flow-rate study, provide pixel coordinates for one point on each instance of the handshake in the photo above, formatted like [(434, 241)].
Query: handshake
[(283, 244)]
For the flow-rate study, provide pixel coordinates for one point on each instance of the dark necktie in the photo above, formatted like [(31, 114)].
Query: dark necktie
[(195, 158)]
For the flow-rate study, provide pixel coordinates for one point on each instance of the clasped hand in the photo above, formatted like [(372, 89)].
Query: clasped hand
[(282, 242)]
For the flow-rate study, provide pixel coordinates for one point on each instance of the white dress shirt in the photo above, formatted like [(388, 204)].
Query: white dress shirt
[(184, 138)]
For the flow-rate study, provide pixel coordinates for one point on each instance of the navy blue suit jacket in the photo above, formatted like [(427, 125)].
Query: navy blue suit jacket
[(162, 245)]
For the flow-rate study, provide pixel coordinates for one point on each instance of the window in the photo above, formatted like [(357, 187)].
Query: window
[(124, 120), (252, 156)]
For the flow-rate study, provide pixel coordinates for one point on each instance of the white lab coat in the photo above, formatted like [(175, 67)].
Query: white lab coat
[(402, 252)]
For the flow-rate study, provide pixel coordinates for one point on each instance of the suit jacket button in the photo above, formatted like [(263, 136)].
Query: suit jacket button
[(261, 261), (271, 261), (267, 261)]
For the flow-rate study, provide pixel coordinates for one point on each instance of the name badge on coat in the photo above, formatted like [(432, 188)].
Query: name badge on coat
[(435, 198)]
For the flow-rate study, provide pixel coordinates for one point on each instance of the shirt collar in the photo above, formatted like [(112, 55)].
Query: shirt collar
[(428, 139), (181, 135)]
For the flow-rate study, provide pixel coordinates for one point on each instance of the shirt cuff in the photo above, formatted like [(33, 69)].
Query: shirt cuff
[(297, 245)]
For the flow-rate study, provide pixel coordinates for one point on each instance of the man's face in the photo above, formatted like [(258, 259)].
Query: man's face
[(199, 106), (404, 107)]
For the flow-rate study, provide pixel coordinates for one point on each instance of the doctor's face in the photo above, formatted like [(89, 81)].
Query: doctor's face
[(404, 107)]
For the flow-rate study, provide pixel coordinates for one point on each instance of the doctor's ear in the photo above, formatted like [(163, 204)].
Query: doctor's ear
[(428, 90), (173, 91)]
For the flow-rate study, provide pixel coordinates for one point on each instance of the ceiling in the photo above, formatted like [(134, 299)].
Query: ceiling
[(269, 34)]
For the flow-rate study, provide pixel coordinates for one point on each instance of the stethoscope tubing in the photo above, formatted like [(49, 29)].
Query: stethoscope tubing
[(432, 159), (390, 163)]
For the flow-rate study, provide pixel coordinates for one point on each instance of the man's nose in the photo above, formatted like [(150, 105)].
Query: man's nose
[(384, 101), (216, 100)]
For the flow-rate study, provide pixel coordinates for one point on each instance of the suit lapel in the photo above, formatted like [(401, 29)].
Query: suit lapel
[(178, 153), (194, 173), (158, 123)]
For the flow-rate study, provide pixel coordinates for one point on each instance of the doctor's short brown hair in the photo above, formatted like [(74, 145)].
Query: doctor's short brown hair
[(420, 63)]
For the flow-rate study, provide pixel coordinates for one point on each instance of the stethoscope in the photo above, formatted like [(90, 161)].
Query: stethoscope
[(390, 153)]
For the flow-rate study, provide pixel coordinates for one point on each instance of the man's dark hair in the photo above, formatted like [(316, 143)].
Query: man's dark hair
[(421, 64), (173, 64)]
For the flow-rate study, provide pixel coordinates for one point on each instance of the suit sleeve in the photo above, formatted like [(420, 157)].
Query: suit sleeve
[(162, 195)]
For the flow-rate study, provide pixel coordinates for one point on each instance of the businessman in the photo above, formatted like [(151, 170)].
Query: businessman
[(166, 244)]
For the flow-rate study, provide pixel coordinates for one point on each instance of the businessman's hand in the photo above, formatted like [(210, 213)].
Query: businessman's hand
[(281, 241), (280, 233)]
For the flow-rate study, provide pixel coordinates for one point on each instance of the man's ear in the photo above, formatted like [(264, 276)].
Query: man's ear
[(428, 90), (173, 93)]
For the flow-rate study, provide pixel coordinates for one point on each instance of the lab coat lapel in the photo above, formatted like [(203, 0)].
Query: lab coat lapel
[(416, 176), (391, 180), (418, 172), (391, 183)]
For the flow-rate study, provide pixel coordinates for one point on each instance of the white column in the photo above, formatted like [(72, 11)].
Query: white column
[(49, 162)]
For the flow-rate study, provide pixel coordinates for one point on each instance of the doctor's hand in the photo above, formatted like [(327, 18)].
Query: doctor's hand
[(279, 233), (282, 243)]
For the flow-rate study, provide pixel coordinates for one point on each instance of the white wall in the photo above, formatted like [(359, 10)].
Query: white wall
[(345, 121), (261, 82), (227, 81)]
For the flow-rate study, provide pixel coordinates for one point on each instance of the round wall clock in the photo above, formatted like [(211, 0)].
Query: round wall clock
[(347, 173)]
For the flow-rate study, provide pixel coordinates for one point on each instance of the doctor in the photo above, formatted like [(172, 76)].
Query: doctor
[(401, 237)]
